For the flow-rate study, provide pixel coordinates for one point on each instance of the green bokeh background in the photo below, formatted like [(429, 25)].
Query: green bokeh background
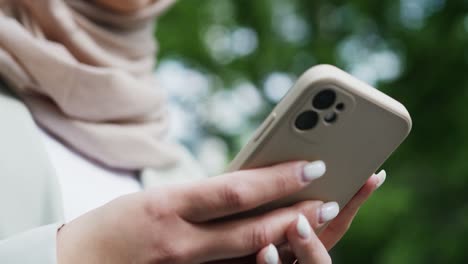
[(420, 215)]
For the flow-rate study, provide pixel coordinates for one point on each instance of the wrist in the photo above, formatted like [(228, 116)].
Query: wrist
[(70, 247)]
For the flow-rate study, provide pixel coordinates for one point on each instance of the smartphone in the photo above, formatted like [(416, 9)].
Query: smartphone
[(328, 115)]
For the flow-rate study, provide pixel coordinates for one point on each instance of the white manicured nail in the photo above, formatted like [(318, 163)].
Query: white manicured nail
[(303, 227), (271, 255), (382, 175), (328, 211), (314, 170)]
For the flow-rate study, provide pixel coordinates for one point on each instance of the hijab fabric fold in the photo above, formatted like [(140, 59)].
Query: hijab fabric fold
[(86, 74)]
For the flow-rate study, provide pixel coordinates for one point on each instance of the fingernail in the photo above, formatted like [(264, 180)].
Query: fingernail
[(303, 227), (381, 176), (328, 211), (313, 170), (271, 255)]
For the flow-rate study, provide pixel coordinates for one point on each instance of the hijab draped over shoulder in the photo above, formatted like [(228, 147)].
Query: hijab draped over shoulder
[(86, 74)]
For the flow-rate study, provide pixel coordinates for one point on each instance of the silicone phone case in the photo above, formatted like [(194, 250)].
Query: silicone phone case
[(369, 128)]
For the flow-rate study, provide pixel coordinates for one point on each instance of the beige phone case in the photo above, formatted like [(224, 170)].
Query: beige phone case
[(369, 128)]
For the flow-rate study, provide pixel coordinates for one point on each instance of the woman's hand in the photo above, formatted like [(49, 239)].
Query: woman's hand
[(186, 224), (303, 244), (308, 248)]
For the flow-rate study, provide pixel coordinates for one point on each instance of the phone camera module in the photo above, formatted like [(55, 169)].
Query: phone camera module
[(324, 99), (306, 120)]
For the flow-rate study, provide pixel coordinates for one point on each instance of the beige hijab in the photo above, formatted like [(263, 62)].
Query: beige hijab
[(86, 73)]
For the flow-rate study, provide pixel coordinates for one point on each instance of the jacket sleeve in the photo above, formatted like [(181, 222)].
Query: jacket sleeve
[(37, 245)]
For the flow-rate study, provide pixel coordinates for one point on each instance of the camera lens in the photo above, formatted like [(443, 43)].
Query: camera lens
[(324, 99), (307, 120), (330, 117)]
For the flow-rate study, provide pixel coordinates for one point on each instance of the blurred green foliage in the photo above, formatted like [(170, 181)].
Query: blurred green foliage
[(421, 214)]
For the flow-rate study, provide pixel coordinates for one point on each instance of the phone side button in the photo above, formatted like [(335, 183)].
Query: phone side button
[(266, 126)]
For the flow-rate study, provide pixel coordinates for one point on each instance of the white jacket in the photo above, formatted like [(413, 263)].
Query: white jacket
[(31, 207)]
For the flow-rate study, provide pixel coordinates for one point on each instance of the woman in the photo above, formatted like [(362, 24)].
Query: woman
[(95, 157)]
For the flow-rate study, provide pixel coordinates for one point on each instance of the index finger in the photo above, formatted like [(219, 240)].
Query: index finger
[(244, 190)]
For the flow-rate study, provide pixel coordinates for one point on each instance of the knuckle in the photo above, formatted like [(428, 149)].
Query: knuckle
[(284, 181), (169, 254), (155, 205), (234, 196), (259, 237)]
